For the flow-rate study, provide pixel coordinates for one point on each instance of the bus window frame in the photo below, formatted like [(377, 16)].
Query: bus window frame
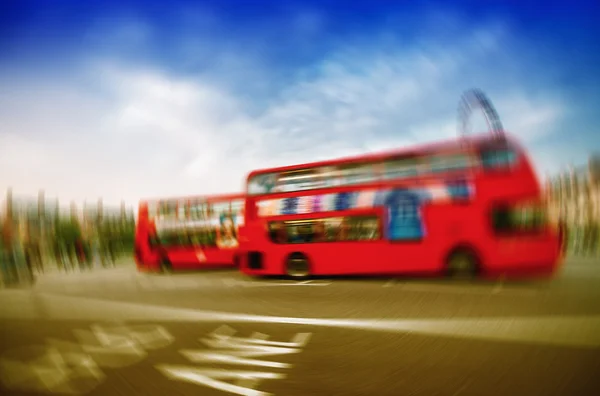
[(513, 205), (503, 167), (333, 176), (371, 212)]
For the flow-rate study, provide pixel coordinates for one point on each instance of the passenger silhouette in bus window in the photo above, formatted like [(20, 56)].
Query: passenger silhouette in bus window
[(268, 183), (344, 229), (274, 232), (367, 229), (293, 235), (319, 231)]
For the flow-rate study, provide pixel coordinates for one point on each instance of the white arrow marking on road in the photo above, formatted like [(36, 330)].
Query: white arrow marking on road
[(110, 350), (62, 368), (65, 367), (212, 378), (232, 357), (237, 350), (226, 333), (577, 331)]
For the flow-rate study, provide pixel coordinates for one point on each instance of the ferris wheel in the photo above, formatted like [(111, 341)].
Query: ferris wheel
[(470, 101)]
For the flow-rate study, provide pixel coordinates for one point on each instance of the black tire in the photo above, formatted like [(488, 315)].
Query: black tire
[(297, 266), (165, 266), (462, 263)]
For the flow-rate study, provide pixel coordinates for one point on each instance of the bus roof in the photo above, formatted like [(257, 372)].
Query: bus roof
[(208, 198), (417, 150)]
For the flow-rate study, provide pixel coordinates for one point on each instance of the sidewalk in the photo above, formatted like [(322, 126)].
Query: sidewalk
[(583, 260), (122, 262), (123, 269)]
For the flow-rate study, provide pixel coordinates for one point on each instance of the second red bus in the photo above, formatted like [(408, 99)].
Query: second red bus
[(188, 232)]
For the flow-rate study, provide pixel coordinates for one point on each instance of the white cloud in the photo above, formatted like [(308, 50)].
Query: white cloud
[(150, 133)]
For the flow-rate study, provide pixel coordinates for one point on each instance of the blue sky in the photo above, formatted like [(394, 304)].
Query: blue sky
[(129, 99)]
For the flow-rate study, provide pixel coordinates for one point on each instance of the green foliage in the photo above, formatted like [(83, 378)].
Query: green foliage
[(67, 231), (116, 233)]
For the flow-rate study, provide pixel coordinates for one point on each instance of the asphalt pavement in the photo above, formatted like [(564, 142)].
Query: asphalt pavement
[(120, 332)]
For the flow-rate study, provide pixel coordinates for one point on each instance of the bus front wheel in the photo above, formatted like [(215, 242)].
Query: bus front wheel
[(297, 266), (462, 264), (165, 266)]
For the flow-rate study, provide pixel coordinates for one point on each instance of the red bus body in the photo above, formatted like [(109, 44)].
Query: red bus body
[(188, 233), (469, 206)]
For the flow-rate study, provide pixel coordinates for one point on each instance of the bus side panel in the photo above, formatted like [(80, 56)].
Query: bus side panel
[(443, 226), (469, 226), (346, 258), (534, 254), (190, 258), (526, 254), (450, 226), (351, 258), (145, 257)]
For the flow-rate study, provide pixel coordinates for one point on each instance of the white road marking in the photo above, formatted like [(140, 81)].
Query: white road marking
[(577, 331), (469, 289), (74, 368), (110, 350), (233, 282), (48, 369), (278, 284), (211, 357), (213, 378), (390, 283), (228, 349), (152, 337), (498, 287), (238, 349)]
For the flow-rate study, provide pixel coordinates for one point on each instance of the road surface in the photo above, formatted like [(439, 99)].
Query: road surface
[(118, 332)]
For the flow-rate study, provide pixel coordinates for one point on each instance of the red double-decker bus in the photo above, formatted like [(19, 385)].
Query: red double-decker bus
[(463, 207), (188, 232)]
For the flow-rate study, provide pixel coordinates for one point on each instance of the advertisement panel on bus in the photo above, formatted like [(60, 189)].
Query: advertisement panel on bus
[(189, 232)]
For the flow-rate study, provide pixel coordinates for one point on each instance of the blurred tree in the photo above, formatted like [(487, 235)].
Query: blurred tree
[(67, 233)]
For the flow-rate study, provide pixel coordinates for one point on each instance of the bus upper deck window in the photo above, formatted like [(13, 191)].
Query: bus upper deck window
[(399, 169), (498, 158)]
